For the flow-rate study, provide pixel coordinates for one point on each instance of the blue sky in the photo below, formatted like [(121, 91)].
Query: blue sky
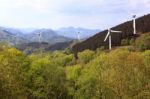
[(94, 14)]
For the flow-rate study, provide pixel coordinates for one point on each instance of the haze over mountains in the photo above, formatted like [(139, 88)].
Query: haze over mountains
[(71, 32), (11, 36), (27, 35)]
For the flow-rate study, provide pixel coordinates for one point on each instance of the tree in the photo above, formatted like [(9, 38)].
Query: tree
[(13, 67), (143, 42), (92, 84), (86, 56), (125, 42), (46, 79), (72, 75)]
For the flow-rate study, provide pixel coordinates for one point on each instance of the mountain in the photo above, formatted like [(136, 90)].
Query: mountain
[(11, 36), (71, 32), (97, 41), (28, 37), (48, 35)]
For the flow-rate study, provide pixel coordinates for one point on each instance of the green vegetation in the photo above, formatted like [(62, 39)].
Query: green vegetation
[(143, 42), (118, 74), (125, 42)]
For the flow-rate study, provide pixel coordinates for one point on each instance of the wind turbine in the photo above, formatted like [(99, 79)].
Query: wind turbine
[(109, 35), (78, 34), (39, 36), (134, 24), (17, 40), (40, 39)]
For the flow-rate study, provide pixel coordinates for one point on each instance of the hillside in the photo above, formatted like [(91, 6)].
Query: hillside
[(117, 74), (29, 48), (11, 37), (59, 46), (14, 36), (97, 40), (48, 35)]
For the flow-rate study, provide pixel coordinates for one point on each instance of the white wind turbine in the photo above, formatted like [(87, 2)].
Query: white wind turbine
[(109, 35), (40, 40), (78, 34), (134, 24), (39, 37), (17, 39)]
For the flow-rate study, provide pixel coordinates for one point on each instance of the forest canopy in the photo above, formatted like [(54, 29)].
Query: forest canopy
[(118, 74)]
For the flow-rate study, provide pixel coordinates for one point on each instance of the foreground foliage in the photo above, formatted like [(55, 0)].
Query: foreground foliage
[(118, 74)]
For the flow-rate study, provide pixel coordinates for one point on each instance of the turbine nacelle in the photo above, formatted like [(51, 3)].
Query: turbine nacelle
[(109, 33), (40, 36), (134, 16)]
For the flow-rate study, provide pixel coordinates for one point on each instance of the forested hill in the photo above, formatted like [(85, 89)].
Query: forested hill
[(92, 43)]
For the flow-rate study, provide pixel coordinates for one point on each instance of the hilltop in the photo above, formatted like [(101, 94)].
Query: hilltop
[(97, 41)]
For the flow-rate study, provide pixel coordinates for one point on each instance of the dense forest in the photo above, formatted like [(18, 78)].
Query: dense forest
[(142, 26), (122, 73)]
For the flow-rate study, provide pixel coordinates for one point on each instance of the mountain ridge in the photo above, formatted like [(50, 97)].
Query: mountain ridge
[(71, 32), (48, 35), (97, 41)]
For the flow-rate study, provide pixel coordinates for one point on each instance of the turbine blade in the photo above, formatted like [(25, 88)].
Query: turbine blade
[(116, 31), (107, 36)]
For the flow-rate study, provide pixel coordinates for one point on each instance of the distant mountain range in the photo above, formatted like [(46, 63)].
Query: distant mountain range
[(71, 32), (11, 36), (51, 39), (48, 35)]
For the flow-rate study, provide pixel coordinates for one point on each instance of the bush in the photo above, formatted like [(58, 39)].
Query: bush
[(143, 42), (86, 56), (125, 42)]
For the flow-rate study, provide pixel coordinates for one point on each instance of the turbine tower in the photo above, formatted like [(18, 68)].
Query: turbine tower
[(109, 36), (17, 39), (78, 36), (39, 36), (40, 40), (134, 24)]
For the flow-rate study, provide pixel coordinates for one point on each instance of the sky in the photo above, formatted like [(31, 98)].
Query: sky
[(92, 14)]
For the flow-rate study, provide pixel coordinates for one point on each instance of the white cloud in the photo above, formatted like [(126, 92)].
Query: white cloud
[(37, 5), (59, 13), (138, 7), (48, 5), (140, 3)]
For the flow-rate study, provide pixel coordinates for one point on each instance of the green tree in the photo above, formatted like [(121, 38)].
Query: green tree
[(46, 79), (125, 42), (86, 56), (92, 84), (13, 67), (143, 42), (72, 75)]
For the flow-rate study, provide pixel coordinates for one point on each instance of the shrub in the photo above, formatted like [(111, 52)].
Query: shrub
[(125, 42), (143, 42), (86, 56)]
